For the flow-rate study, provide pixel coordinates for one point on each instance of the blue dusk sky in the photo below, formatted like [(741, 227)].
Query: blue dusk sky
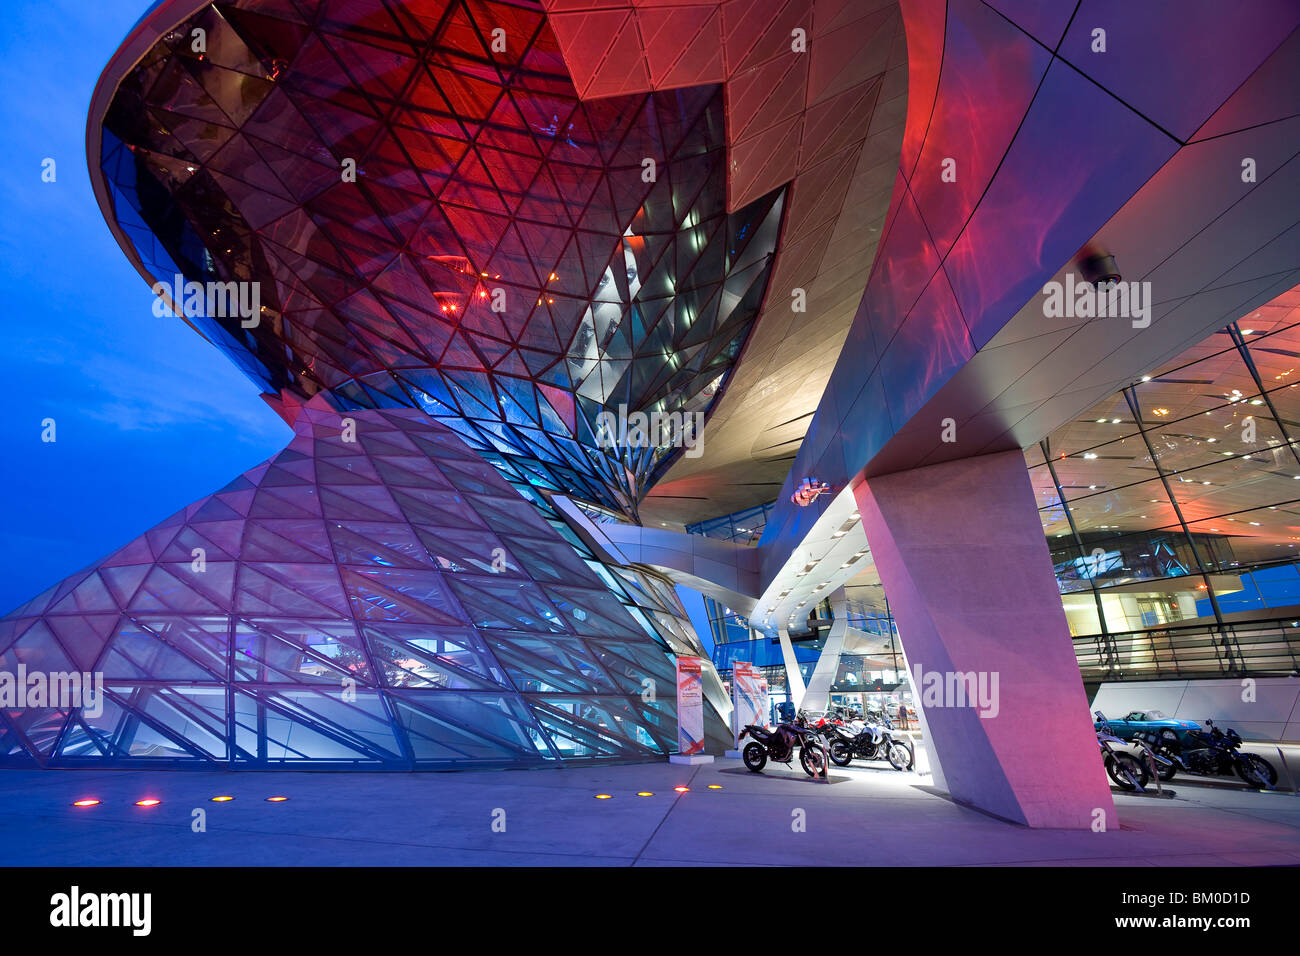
[(149, 416)]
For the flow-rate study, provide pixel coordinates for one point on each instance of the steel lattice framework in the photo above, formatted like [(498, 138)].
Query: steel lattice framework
[(507, 257), (388, 602)]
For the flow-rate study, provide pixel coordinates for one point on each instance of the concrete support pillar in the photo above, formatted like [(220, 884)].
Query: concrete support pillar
[(818, 694), (793, 676), (964, 563)]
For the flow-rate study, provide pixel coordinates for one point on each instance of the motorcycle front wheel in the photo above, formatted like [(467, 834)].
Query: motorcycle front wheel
[(1256, 771), (900, 756), (1117, 764), (813, 763), (1166, 772), (755, 756), (841, 754)]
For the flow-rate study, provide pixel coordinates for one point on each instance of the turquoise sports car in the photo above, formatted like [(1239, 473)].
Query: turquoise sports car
[(1137, 721)]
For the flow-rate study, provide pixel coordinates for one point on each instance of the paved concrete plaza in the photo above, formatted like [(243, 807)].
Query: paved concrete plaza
[(870, 815)]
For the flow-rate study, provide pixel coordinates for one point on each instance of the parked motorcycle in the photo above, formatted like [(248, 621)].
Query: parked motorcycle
[(1124, 769), (872, 742), (779, 746), (821, 723), (1212, 754)]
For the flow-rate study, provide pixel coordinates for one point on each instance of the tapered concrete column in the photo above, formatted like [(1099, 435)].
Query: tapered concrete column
[(818, 693), (794, 684), (965, 565)]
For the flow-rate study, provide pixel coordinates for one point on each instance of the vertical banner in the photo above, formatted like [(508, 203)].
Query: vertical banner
[(690, 706), (748, 698)]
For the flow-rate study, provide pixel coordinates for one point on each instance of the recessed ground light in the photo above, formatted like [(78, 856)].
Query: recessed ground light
[(604, 796), (1211, 440), (1089, 455), (1114, 421), (682, 789), (646, 793), (1247, 331), (222, 799), (1146, 378), (148, 802), (88, 802), (715, 786), (1101, 421), (276, 799)]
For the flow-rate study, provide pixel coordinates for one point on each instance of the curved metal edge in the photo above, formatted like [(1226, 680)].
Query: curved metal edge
[(165, 16)]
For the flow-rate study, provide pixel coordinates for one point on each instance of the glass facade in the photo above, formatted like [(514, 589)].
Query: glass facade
[(1172, 510), (733, 640), (1172, 513), (385, 602), (439, 225), (507, 258), (871, 662)]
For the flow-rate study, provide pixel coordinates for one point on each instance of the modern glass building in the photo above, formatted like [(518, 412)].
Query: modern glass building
[(383, 602), (920, 338), (1168, 509)]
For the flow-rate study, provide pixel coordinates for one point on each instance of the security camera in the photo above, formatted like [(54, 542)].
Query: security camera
[(1100, 270)]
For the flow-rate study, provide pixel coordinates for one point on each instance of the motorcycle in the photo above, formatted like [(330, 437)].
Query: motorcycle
[(1212, 754), (872, 742), (1124, 769), (779, 746)]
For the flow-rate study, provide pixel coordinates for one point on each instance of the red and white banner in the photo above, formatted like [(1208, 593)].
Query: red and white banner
[(690, 705), (748, 698)]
